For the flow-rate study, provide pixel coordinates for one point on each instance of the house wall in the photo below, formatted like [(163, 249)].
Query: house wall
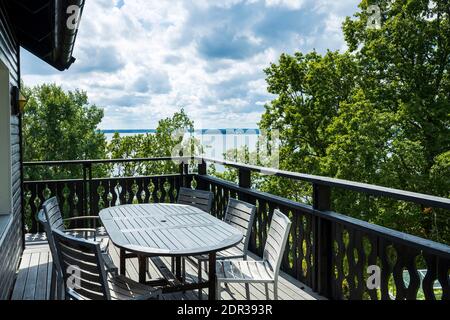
[(11, 239)]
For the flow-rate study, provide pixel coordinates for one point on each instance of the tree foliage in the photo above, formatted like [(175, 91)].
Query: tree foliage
[(59, 125), (172, 138), (378, 113)]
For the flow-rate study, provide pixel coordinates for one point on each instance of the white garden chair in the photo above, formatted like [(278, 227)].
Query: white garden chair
[(265, 271)]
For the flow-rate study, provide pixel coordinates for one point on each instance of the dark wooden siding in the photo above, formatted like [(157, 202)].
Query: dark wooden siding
[(11, 245)]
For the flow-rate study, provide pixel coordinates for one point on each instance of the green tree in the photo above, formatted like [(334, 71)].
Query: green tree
[(170, 138), (405, 95), (127, 147), (405, 70), (309, 89), (59, 125), (378, 113)]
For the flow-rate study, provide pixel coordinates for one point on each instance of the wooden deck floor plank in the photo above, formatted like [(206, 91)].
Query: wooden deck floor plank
[(41, 282), (30, 287), (21, 280)]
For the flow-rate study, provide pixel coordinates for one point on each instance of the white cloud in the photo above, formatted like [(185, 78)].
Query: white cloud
[(291, 4), (143, 60)]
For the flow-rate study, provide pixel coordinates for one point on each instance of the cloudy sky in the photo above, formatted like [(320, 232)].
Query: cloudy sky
[(143, 60)]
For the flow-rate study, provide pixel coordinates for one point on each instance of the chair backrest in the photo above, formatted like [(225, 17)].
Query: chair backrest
[(241, 216), (197, 198), (50, 217), (276, 240), (51, 243), (83, 270), (53, 214)]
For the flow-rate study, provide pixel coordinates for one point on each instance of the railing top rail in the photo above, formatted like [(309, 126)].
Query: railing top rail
[(420, 198), (100, 179), (103, 161)]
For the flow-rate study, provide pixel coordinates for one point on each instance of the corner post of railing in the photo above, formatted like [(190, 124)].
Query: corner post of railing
[(88, 192), (202, 171), (182, 173), (323, 241), (245, 181)]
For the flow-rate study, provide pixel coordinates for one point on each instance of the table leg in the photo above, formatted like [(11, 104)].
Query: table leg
[(178, 268), (212, 277), (142, 269), (122, 262)]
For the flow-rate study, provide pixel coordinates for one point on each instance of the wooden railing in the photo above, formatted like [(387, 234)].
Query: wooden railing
[(332, 253), (86, 195)]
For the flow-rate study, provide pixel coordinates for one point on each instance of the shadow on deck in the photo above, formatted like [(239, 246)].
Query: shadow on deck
[(33, 278)]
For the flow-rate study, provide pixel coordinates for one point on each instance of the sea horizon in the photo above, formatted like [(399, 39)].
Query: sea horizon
[(216, 141), (234, 131)]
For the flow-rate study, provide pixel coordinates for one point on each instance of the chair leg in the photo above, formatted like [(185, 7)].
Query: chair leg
[(218, 291), (123, 263), (58, 287), (172, 265), (275, 290), (53, 284), (200, 278), (206, 267), (61, 292), (267, 291), (183, 270), (247, 292)]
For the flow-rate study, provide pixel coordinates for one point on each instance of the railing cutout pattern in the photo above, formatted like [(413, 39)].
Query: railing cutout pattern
[(84, 198)]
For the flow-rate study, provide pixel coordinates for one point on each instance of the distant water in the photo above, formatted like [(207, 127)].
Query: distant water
[(202, 131), (215, 141)]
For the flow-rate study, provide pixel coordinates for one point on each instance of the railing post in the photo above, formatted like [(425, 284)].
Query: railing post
[(202, 171), (87, 188), (245, 181), (323, 252), (182, 175), (84, 190), (91, 192)]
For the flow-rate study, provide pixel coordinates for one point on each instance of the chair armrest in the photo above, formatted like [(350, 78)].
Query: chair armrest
[(84, 231), (153, 295), (82, 218), (80, 230), (109, 264)]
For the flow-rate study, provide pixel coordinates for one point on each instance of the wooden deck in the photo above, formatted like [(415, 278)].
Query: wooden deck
[(33, 278)]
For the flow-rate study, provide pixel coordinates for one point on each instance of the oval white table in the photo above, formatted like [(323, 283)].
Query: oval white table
[(169, 230)]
